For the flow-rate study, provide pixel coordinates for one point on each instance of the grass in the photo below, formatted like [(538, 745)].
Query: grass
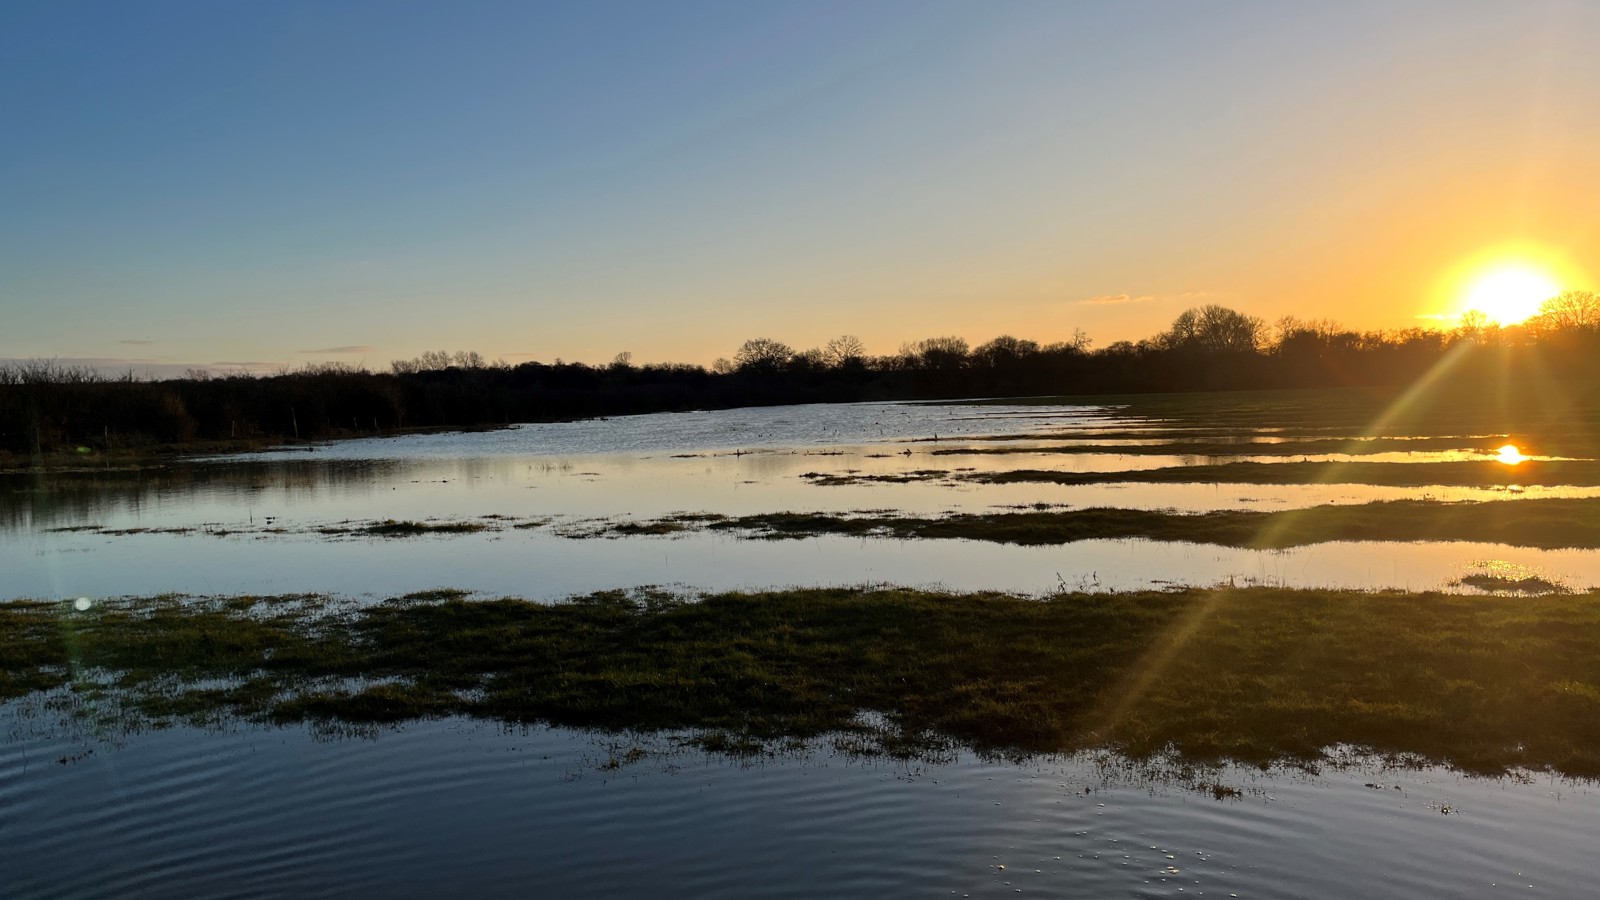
[(1531, 584), (387, 528), (1178, 445), (392, 528), (1484, 473), (1545, 523), (407, 528), (1252, 675), (1472, 473)]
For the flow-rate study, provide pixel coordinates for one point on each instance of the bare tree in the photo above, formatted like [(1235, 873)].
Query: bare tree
[(1079, 343), (1004, 349), (438, 361), (1214, 328), (808, 360), (762, 355), (1475, 326), (947, 352), (1569, 309), (843, 350)]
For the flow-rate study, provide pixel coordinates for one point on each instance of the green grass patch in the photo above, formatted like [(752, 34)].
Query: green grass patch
[(1252, 675)]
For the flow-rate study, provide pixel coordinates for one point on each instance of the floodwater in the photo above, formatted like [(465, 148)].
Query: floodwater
[(474, 809), (458, 808), (250, 524)]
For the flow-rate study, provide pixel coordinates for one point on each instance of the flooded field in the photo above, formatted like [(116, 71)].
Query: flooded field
[(535, 495), (453, 806), (945, 497)]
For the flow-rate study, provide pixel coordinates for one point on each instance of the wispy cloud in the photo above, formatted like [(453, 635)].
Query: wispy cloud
[(135, 342), (1118, 299), (353, 348)]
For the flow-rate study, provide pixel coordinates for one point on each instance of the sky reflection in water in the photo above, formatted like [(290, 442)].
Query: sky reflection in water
[(733, 462)]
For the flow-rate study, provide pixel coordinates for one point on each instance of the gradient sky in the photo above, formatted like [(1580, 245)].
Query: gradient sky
[(223, 184)]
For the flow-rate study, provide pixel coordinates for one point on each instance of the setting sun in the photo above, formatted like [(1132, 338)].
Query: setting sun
[(1510, 454), (1509, 294)]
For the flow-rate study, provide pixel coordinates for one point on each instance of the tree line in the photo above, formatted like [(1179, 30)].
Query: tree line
[(48, 408)]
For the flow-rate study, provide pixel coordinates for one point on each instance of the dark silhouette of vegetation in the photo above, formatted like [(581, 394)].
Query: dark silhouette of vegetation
[(1567, 311), (47, 410), (1552, 523)]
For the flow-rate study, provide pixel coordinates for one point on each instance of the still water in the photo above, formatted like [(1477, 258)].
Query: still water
[(249, 524), (456, 807)]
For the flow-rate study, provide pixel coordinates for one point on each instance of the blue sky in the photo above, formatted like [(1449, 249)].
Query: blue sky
[(222, 184)]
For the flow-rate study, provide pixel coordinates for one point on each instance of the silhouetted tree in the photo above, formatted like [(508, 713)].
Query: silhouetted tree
[(1215, 329), (937, 352), (1569, 309), (1004, 350), (843, 350), (762, 355)]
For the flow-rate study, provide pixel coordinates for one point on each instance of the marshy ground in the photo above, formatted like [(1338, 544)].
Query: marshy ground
[(1525, 523), (1250, 675)]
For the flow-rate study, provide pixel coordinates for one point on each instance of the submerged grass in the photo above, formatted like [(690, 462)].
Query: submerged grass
[(1468, 473), (1398, 474), (1254, 675), (1187, 446), (393, 528), (1545, 523)]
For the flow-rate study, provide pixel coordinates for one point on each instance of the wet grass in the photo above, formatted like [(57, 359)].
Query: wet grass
[(385, 528), (1187, 446), (1531, 584), (1544, 523), (659, 527), (1585, 473), (1472, 473), (1254, 675), (392, 528)]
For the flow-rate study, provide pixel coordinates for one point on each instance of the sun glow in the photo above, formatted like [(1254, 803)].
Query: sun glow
[(1510, 454), (1508, 292)]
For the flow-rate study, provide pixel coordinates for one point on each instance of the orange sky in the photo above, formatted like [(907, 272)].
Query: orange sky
[(251, 187)]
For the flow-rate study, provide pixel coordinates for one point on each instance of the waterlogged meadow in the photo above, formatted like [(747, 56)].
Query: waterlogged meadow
[(1242, 644)]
